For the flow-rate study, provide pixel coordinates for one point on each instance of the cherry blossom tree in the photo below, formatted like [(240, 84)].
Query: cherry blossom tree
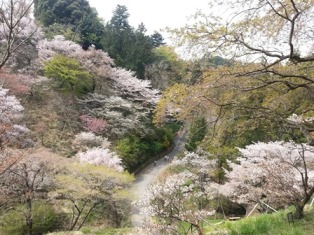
[(86, 140), (10, 107), (95, 150), (178, 198), (17, 28), (23, 183), (96, 62), (95, 125), (12, 135), (132, 87), (11, 112), (121, 114), (101, 156), (280, 173)]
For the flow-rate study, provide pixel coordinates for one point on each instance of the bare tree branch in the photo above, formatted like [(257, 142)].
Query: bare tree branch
[(11, 14)]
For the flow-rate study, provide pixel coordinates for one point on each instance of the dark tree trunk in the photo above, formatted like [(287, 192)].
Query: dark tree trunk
[(29, 217), (298, 214), (199, 229)]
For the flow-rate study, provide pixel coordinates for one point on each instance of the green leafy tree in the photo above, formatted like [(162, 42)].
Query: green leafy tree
[(86, 187), (60, 29), (75, 14), (44, 216), (141, 53), (157, 39), (118, 35), (68, 74), (130, 48), (196, 134), (271, 48), (167, 69), (136, 149)]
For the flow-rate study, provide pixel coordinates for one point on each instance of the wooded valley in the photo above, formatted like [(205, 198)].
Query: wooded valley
[(86, 104)]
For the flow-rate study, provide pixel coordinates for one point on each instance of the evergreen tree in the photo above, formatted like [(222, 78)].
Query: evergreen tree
[(77, 14), (157, 39), (130, 48)]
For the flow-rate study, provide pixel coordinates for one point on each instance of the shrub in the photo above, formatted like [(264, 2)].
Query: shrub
[(68, 74), (136, 150), (44, 220)]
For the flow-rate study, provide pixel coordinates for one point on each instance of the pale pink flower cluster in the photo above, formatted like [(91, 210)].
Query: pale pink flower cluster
[(95, 150), (97, 62), (177, 197), (274, 170), (192, 160), (122, 114), (47, 49), (299, 119), (88, 139), (95, 125), (130, 86), (10, 107), (103, 157)]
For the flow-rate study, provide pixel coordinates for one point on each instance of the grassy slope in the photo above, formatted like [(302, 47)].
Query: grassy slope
[(268, 224), (265, 224)]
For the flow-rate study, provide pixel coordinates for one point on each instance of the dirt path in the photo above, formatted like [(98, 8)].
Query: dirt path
[(149, 174)]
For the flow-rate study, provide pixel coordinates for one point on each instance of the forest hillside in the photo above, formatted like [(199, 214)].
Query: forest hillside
[(85, 104)]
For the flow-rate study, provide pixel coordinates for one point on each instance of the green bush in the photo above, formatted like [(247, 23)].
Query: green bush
[(196, 134), (68, 74), (44, 220), (135, 149)]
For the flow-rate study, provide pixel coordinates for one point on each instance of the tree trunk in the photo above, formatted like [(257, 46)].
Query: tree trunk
[(199, 229), (298, 214), (29, 217), (300, 205)]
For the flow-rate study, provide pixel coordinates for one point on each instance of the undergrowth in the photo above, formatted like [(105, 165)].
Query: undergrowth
[(266, 224)]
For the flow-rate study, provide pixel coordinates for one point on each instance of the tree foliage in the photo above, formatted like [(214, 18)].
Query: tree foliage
[(196, 134), (68, 74), (45, 219), (167, 69), (272, 31), (86, 187), (279, 173), (77, 14), (180, 198), (136, 148), (129, 47), (269, 43)]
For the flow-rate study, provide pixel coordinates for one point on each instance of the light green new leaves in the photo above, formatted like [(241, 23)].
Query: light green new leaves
[(68, 74)]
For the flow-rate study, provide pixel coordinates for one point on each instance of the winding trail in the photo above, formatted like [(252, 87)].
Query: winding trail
[(149, 174)]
